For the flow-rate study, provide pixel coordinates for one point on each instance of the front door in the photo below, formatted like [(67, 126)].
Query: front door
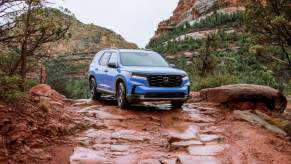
[(102, 72), (112, 72)]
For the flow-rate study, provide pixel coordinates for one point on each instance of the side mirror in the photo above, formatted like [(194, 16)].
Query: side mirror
[(173, 65), (112, 65)]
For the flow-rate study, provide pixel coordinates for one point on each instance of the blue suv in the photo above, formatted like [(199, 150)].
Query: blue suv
[(137, 75)]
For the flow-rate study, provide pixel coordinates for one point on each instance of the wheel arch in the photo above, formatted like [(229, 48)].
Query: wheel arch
[(91, 76), (118, 80)]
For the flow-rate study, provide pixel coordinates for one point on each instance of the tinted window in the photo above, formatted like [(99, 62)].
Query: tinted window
[(145, 59), (95, 61), (113, 58), (104, 58)]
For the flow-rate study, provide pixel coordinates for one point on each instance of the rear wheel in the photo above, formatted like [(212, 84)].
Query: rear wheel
[(93, 90), (177, 104), (121, 96)]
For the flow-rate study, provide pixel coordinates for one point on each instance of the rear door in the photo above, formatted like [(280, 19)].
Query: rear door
[(102, 71)]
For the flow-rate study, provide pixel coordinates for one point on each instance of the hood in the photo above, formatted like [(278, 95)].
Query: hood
[(154, 70)]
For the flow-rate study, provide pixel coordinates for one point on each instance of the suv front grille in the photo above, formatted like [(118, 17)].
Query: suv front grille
[(164, 80)]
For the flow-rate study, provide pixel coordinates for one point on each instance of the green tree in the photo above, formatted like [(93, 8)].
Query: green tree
[(207, 57), (37, 28), (270, 22), (8, 10)]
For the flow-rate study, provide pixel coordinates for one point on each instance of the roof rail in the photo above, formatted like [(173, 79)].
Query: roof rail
[(110, 48), (145, 49)]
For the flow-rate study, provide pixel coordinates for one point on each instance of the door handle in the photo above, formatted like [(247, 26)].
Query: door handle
[(105, 70), (96, 69)]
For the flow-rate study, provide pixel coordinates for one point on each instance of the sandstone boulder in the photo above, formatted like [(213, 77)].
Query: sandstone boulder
[(170, 57), (46, 91), (271, 97), (189, 54)]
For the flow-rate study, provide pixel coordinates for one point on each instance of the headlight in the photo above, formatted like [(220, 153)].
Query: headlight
[(185, 77), (138, 76)]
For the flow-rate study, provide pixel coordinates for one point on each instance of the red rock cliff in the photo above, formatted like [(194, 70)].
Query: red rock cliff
[(183, 6), (192, 8)]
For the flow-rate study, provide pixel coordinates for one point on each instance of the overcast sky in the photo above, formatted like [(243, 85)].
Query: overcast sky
[(135, 20)]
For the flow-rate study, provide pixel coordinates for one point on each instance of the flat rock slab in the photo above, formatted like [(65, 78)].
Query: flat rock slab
[(149, 161), (93, 111), (186, 143), (83, 155), (131, 135), (127, 159), (246, 92), (186, 133), (120, 148), (169, 161), (198, 118), (206, 150), (209, 137), (257, 120), (189, 159)]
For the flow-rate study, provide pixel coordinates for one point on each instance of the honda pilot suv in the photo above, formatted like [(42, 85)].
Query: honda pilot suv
[(137, 75)]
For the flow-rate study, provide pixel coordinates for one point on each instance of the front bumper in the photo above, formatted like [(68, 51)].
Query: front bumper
[(140, 90), (137, 97), (144, 93)]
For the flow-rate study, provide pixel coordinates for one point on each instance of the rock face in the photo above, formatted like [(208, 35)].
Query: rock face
[(46, 91), (272, 98), (86, 38), (183, 6), (38, 120), (189, 10)]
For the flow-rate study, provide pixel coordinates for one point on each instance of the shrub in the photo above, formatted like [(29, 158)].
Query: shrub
[(77, 88), (61, 77), (9, 88), (211, 81)]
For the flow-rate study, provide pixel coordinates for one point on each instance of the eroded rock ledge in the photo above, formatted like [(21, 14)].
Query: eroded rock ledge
[(253, 95)]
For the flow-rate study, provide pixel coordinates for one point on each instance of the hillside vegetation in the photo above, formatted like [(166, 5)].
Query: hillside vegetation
[(46, 45), (233, 47), (67, 69)]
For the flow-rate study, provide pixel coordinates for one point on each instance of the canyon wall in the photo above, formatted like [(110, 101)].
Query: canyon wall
[(189, 10)]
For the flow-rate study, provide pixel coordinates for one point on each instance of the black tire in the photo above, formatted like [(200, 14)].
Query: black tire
[(121, 96), (93, 91), (177, 104)]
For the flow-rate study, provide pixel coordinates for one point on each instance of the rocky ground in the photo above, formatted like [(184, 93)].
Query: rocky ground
[(201, 132), (86, 131)]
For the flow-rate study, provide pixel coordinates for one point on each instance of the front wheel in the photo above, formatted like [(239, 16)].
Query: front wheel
[(177, 104), (121, 96), (93, 90)]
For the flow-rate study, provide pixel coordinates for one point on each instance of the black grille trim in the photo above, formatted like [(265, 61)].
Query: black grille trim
[(164, 95), (160, 80)]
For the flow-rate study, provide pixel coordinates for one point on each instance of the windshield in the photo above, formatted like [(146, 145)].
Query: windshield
[(145, 59)]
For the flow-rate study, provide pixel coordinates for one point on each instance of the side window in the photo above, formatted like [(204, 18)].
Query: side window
[(95, 60), (104, 59), (113, 58)]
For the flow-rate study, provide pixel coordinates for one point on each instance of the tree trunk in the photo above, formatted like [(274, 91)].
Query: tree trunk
[(23, 72)]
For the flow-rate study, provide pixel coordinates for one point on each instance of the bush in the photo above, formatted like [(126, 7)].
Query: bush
[(211, 81), (9, 88), (30, 83), (77, 88), (61, 77)]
